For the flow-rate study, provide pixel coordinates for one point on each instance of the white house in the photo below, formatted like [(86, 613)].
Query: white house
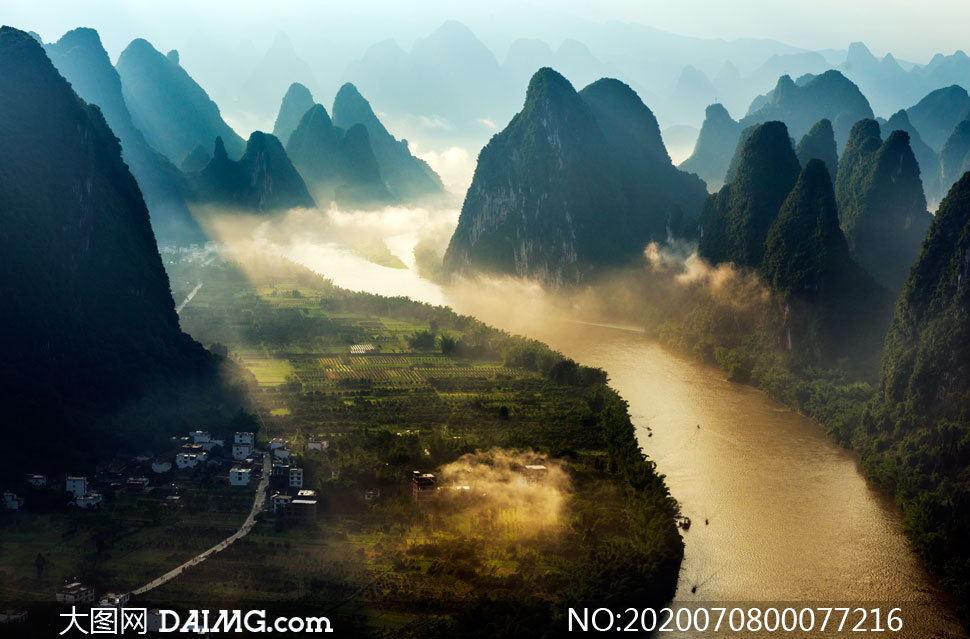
[(37, 480), (296, 478), (190, 460), (161, 466), (280, 502), (317, 444), (239, 476), (114, 600), (76, 485), (75, 593), (281, 453), (278, 442), (204, 438), (11, 501), (88, 500), (241, 451), (243, 438)]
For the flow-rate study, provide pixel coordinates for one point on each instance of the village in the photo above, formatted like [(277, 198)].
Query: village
[(284, 494), (191, 459)]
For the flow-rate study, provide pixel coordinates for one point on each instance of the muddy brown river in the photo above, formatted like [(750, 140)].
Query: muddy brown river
[(779, 512)]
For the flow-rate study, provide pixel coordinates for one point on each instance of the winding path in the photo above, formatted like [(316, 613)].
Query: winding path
[(188, 298), (247, 525)]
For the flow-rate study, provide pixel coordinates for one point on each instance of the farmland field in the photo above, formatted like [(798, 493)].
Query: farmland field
[(388, 386)]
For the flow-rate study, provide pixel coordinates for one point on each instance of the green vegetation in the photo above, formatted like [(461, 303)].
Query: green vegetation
[(783, 223), (735, 220), (391, 385), (882, 208), (909, 423), (819, 144), (133, 540), (928, 160), (914, 438)]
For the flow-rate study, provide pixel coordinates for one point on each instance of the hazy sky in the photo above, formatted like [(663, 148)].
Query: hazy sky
[(911, 30)]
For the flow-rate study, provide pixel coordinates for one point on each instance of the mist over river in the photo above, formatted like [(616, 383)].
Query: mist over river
[(779, 512)]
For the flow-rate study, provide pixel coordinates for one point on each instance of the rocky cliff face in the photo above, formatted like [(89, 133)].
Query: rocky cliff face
[(577, 182)]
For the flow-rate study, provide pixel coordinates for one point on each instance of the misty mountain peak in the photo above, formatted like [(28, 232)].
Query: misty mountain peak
[(736, 220), (547, 83), (819, 143), (219, 151), (168, 106), (715, 146), (349, 101), (82, 36), (717, 112), (859, 52), (282, 45), (613, 101), (784, 87), (173, 56), (407, 177), (297, 101)]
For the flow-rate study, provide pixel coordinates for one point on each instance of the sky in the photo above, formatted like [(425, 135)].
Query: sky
[(912, 31)]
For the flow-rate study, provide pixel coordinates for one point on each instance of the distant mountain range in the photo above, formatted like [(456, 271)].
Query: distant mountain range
[(263, 180), (407, 177), (81, 59), (420, 89), (174, 113)]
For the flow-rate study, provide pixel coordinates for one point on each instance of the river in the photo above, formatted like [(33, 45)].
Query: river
[(779, 512)]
